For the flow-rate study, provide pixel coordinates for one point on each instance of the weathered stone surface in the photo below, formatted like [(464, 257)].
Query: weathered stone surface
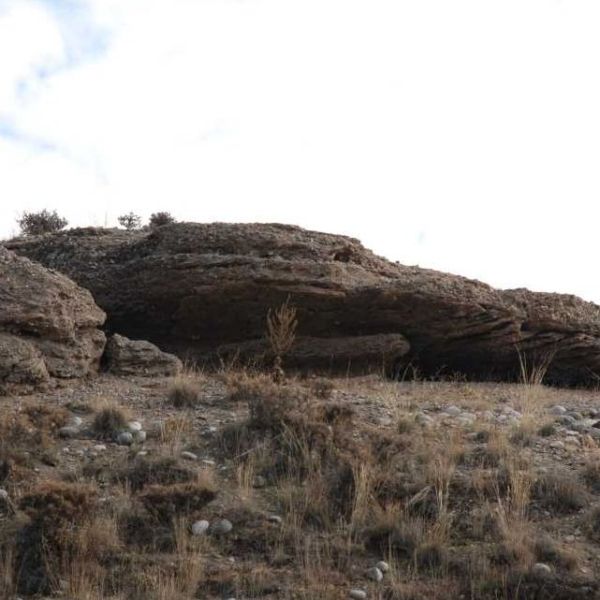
[(138, 357), (192, 288), (48, 325), (357, 353)]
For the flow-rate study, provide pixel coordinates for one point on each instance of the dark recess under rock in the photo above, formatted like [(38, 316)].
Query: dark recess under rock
[(194, 288)]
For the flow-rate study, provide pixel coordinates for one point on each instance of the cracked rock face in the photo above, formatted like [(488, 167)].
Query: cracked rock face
[(196, 288), (48, 326)]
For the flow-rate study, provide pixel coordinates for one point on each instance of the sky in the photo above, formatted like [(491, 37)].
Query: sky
[(462, 136)]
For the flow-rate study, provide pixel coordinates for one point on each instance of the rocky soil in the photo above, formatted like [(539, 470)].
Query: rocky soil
[(197, 289), (438, 516)]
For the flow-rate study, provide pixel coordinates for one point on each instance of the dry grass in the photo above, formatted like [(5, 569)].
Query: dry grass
[(110, 419), (281, 328), (533, 370), (167, 502), (174, 432), (456, 511), (185, 389)]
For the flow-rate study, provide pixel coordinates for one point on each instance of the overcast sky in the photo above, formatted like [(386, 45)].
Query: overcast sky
[(458, 135)]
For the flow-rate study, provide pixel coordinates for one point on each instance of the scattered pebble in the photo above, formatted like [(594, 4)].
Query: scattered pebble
[(453, 411), (423, 419), (125, 438), (358, 595), (275, 519), (557, 445), (208, 462), (76, 421), (99, 447), (221, 527), (140, 436), (558, 410), (69, 431), (374, 574), (134, 426), (188, 455), (383, 566), (200, 527), (541, 569)]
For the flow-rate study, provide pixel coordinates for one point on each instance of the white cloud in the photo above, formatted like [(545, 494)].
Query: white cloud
[(457, 135)]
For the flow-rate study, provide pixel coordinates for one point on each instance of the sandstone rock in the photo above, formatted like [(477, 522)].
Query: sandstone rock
[(48, 326), (138, 357), (192, 288)]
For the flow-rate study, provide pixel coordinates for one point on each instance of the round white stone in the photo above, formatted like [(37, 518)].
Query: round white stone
[(200, 527)]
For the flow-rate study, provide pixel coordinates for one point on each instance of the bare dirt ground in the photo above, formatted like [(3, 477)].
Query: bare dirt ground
[(463, 490)]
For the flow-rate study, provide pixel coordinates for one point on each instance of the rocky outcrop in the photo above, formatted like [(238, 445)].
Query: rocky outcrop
[(48, 326), (138, 357), (360, 353), (192, 288)]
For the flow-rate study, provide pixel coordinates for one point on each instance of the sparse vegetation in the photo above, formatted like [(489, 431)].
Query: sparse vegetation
[(185, 390), (130, 221), (316, 487), (281, 334), (159, 219), (109, 421), (38, 223)]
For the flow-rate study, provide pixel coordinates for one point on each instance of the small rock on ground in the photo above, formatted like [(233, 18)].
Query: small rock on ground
[(221, 527), (374, 574), (200, 527)]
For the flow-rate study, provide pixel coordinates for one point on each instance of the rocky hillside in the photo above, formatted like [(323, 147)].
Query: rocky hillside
[(202, 288)]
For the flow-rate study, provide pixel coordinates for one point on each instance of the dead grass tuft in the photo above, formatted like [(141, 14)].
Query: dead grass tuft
[(109, 421), (167, 502)]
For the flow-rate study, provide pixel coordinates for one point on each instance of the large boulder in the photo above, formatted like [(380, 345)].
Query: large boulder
[(138, 357), (197, 288), (48, 326)]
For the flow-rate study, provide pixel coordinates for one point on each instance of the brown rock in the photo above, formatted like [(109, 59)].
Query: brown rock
[(360, 353), (48, 325), (192, 288), (138, 357)]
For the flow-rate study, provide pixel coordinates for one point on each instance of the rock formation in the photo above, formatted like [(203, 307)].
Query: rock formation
[(195, 288), (138, 357), (48, 326)]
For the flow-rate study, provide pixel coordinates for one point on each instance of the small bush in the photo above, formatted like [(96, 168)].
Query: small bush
[(184, 392), (560, 492), (547, 430), (37, 223), (48, 545), (593, 524), (548, 551), (322, 388), (166, 502), (55, 503), (163, 471), (109, 421), (591, 475), (402, 540), (27, 433), (130, 221), (159, 219)]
